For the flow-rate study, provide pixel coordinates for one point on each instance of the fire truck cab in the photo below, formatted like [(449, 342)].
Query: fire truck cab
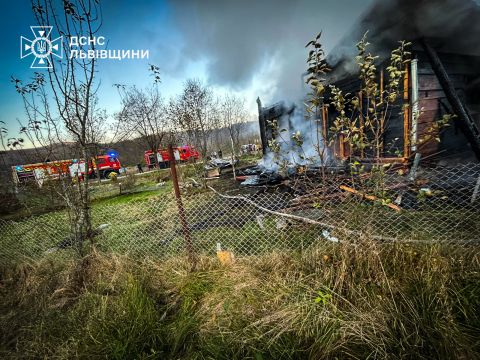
[(106, 165)]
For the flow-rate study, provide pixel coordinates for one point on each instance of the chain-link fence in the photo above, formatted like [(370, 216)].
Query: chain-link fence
[(440, 204)]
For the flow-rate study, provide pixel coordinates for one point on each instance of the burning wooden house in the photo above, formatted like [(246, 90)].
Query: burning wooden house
[(272, 119), (443, 77)]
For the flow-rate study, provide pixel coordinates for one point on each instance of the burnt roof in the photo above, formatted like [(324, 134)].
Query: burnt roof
[(451, 26)]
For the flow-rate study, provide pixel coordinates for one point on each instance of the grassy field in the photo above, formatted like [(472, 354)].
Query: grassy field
[(290, 294), (146, 223), (143, 221), (126, 213), (35, 201), (337, 301)]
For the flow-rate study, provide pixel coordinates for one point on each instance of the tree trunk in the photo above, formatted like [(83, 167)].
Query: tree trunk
[(83, 225)]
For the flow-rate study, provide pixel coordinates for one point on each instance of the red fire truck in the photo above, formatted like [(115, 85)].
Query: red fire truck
[(106, 165), (181, 153), (40, 171), (52, 170)]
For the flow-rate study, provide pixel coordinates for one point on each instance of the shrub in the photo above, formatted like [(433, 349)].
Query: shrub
[(128, 182)]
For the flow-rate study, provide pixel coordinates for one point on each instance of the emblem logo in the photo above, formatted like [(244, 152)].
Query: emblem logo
[(41, 47)]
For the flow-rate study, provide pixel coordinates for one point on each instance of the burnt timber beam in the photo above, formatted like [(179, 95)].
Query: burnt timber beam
[(466, 123), (261, 124)]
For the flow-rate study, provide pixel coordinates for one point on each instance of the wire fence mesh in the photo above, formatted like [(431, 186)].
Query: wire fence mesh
[(439, 205)]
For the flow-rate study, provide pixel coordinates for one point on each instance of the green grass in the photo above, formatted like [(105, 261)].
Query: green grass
[(131, 218), (137, 196), (37, 201), (334, 301), (146, 223)]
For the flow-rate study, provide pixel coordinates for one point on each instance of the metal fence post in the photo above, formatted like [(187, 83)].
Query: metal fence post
[(181, 210)]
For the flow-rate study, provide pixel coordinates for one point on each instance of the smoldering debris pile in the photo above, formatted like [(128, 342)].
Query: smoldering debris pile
[(214, 167), (258, 176), (396, 188), (220, 163)]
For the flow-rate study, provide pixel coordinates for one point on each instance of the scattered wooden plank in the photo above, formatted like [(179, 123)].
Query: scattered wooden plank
[(369, 197)]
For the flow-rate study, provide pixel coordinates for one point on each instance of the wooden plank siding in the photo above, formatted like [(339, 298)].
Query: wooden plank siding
[(433, 104)]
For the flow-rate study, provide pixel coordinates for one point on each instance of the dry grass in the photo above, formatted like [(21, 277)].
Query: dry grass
[(337, 301)]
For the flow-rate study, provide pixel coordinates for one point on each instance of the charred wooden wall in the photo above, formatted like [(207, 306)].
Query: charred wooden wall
[(271, 120), (464, 73), (433, 104)]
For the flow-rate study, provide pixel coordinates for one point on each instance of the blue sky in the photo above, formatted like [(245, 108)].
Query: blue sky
[(254, 48)]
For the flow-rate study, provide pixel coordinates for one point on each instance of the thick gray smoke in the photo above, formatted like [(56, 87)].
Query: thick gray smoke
[(300, 141), (240, 38), (451, 26)]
